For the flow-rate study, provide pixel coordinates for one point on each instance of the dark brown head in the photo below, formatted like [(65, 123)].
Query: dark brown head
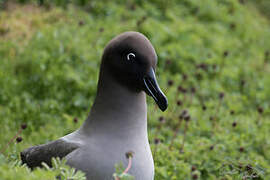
[(131, 59)]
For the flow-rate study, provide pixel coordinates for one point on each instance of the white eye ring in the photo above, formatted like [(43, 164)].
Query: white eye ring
[(130, 56)]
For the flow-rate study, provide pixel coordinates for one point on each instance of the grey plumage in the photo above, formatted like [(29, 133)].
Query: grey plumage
[(35, 155), (117, 122)]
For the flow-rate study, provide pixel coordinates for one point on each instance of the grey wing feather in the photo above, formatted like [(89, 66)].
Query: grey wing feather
[(35, 155)]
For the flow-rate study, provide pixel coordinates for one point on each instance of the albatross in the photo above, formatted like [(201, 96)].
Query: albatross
[(117, 122)]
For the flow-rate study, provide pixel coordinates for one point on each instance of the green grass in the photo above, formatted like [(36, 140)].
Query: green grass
[(49, 63)]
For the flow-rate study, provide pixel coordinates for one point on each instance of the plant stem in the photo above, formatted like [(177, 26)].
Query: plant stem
[(129, 164), (184, 138), (215, 116), (5, 147), (128, 167), (175, 133)]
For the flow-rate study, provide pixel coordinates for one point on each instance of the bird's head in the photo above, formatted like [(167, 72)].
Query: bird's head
[(131, 60)]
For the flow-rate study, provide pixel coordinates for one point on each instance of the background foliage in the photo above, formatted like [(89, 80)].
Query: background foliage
[(213, 62)]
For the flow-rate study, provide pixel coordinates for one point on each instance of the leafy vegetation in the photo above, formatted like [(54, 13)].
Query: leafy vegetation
[(214, 66)]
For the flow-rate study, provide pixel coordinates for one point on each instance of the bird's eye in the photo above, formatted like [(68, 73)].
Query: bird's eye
[(131, 56)]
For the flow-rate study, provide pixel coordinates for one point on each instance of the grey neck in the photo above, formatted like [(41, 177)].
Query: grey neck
[(117, 111)]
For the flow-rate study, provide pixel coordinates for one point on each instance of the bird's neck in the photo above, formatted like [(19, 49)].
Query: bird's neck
[(116, 109)]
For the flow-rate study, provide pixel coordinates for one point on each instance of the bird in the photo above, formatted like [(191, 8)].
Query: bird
[(117, 122)]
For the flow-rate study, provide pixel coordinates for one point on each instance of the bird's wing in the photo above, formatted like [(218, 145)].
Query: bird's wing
[(35, 155)]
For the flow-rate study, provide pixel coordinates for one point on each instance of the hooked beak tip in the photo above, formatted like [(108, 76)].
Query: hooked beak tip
[(152, 89), (163, 106)]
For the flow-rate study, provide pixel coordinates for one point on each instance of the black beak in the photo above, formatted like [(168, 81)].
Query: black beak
[(152, 89)]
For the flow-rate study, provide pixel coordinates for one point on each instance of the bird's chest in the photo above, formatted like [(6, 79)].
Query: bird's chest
[(98, 161)]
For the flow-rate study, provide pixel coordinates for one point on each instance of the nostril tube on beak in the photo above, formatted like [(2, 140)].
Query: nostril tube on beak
[(152, 88)]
